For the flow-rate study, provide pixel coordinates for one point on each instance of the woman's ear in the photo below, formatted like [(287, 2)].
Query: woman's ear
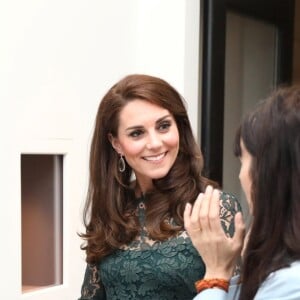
[(115, 143)]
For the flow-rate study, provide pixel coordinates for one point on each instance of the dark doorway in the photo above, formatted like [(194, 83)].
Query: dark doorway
[(223, 21)]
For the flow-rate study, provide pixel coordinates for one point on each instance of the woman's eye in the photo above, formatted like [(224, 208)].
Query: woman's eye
[(136, 133), (164, 126)]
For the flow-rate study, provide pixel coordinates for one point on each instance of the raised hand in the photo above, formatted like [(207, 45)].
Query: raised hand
[(202, 222)]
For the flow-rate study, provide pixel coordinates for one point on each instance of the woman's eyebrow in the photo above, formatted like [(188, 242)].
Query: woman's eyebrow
[(141, 126), (162, 118)]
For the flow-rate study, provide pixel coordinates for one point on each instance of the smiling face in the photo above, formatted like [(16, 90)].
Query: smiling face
[(148, 138), (244, 176)]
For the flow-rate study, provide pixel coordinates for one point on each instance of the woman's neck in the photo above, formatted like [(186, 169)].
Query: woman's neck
[(141, 189)]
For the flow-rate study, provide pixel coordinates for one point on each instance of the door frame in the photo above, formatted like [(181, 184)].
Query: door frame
[(276, 12)]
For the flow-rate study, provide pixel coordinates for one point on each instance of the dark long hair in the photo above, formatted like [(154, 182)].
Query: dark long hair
[(109, 211), (271, 134)]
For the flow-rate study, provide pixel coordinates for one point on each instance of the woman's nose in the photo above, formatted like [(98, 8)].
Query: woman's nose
[(154, 141)]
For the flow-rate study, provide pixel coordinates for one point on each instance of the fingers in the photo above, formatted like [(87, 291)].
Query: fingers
[(196, 211), (191, 215), (210, 211), (214, 213), (206, 201), (187, 216), (205, 212), (187, 211), (205, 207)]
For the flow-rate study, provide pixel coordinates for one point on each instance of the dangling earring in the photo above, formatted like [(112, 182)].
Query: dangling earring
[(121, 164)]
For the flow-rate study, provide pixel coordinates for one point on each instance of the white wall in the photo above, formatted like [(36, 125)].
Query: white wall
[(168, 46), (57, 59)]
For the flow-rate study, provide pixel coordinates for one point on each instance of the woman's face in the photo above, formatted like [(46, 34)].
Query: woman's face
[(149, 140), (244, 176)]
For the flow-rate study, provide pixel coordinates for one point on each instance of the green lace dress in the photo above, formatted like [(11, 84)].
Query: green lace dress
[(147, 269)]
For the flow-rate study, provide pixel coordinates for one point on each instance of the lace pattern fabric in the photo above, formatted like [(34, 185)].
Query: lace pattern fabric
[(149, 269), (92, 287)]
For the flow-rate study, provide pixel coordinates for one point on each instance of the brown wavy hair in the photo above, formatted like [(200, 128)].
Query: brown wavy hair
[(271, 134), (109, 215)]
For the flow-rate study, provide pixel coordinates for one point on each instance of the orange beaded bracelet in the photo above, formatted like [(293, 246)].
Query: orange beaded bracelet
[(203, 284)]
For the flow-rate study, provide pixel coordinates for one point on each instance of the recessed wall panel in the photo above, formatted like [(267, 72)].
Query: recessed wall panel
[(42, 230)]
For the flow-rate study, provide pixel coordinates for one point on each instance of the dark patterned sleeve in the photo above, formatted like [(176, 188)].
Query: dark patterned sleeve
[(229, 206), (92, 287)]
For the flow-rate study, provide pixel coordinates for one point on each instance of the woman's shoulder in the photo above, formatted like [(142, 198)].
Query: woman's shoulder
[(282, 283), (288, 273), (226, 196), (229, 206), (229, 202)]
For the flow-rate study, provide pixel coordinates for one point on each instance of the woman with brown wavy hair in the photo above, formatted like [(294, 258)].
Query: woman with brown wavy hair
[(268, 144), (145, 165)]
